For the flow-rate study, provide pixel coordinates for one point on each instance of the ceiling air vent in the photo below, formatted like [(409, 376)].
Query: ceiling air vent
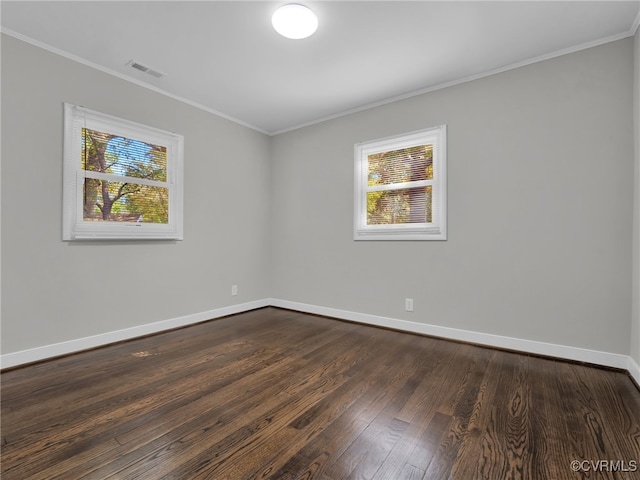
[(145, 69)]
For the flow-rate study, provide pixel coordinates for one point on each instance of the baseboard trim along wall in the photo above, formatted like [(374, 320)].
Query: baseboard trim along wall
[(634, 370), (614, 360), (606, 359), (64, 348)]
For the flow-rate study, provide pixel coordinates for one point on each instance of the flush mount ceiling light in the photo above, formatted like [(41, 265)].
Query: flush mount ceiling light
[(294, 21)]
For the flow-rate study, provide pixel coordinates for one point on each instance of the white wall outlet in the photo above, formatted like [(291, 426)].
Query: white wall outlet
[(234, 290), (408, 304)]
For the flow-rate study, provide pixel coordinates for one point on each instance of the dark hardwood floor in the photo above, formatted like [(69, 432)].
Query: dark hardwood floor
[(283, 395)]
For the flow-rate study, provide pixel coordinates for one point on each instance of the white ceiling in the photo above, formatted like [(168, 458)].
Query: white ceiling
[(226, 57)]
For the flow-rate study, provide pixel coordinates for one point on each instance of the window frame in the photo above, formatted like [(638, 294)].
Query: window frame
[(74, 226), (434, 230)]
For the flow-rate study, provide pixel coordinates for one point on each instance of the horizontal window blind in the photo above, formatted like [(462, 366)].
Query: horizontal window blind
[(399, 186), (122, 180), (125, 180), (401, 166), (393, 207)]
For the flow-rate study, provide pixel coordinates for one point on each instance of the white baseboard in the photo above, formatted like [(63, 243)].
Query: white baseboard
[(606, 359), (41, 353), (634, 370)]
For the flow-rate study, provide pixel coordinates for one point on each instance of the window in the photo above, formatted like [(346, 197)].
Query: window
[(122, 180), (400, 187)]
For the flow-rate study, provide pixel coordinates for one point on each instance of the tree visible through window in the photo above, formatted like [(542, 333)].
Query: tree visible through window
[(127, 200), (400, 187), (406, 205), (122, 180)]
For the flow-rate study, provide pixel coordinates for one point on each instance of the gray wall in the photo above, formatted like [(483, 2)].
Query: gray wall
[(55, 291), (635, 326), (540, 164), (541, 185)]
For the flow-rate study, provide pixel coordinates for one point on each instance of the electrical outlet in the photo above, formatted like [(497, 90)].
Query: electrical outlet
[(234, 290), (408, 304)]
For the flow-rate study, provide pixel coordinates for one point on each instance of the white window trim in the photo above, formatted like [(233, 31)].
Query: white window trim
[(74, 227), (437, 228)]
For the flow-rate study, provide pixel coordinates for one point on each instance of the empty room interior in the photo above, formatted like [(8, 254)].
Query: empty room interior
[(403, 244)]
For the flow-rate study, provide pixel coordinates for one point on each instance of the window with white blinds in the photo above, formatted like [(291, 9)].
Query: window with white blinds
[(400, 187), (122, 180)]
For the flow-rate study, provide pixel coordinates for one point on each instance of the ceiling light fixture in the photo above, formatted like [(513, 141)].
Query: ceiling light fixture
[(294, 21)]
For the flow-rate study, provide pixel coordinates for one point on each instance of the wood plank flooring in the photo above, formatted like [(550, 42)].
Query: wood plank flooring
[(275, 394)]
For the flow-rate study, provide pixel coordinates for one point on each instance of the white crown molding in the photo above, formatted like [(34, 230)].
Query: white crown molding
[(635, 25), (87, 63), (415, 93), (470, 78)]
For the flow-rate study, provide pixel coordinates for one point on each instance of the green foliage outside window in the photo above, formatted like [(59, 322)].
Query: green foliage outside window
[(400, 205), (127, 200)]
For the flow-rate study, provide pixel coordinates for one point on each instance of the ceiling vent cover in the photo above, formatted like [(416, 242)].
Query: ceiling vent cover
[(145, 69)]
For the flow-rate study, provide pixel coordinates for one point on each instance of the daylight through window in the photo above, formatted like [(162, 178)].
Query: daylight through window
[(400, 187), (134, 189), (122, 180)]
